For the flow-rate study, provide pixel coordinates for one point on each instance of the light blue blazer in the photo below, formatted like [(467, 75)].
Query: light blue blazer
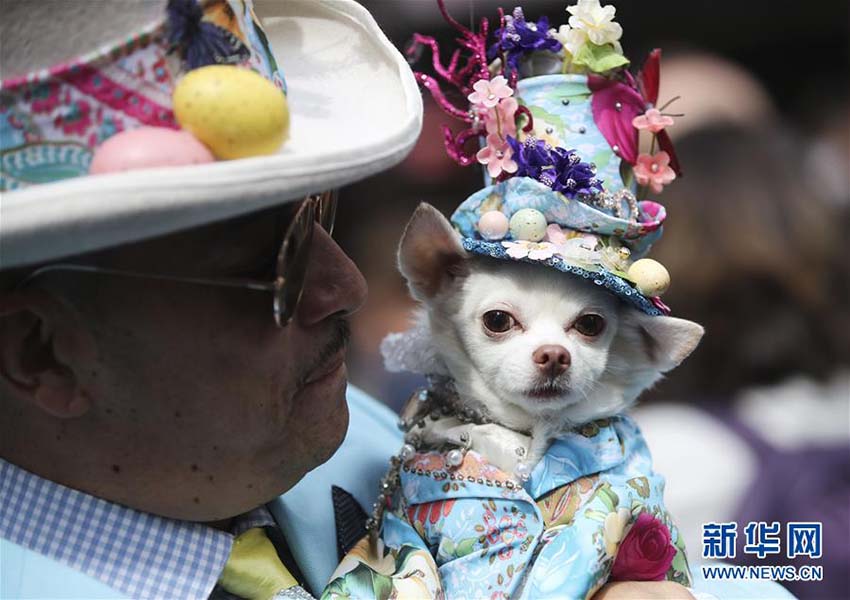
[(305, 514)]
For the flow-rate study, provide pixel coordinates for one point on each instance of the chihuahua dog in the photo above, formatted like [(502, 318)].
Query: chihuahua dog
[(519, 475), (536, 349)]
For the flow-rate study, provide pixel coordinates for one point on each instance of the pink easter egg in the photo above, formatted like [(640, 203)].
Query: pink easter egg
[(493, 225), (148, 147)]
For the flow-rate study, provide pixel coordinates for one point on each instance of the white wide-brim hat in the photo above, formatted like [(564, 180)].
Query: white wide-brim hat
[(355, 110)]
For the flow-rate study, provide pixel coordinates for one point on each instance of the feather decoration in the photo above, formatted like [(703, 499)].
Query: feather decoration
[(200, 43)]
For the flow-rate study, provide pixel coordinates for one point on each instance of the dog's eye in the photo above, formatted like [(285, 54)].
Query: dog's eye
[(498, 321), (590, 325)]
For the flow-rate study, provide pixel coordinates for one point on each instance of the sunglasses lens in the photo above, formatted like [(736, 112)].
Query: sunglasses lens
[(326, 211), (292, 264)]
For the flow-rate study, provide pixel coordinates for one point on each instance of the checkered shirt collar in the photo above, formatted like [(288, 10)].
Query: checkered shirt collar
[(135, 553)]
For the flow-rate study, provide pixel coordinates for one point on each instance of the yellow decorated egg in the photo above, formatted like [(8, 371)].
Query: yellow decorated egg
[(234, 111), (650, 277)]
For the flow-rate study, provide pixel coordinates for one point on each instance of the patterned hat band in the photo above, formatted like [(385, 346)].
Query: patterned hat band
[(51, 120)]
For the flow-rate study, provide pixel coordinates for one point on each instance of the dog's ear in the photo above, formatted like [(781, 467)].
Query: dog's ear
[(643, 348), (430, 254), (661, 343)]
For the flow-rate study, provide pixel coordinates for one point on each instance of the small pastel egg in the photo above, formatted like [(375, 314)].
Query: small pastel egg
[(493, 225), (528, 224), (650, 277), (233, 110), (148, 147)]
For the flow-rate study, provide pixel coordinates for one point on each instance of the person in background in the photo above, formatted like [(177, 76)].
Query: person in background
[(754, 426)]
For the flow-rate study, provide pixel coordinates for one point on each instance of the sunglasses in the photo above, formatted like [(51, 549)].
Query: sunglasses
[(290, 266)]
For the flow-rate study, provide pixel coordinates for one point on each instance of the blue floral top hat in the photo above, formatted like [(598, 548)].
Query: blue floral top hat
[(559, 118)]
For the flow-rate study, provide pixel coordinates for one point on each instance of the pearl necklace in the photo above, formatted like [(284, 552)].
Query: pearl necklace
[(438, 400)]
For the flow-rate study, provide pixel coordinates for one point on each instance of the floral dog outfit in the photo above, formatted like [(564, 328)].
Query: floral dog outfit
[(473, 531)]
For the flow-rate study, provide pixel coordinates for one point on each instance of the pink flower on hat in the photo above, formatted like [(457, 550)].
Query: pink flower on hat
[(652, 120), (654, 171), (502, 117), (555, 234), (646, 553), (488, 93), (497, 156)]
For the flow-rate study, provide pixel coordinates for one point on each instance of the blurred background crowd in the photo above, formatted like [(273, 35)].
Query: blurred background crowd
[(755, 425)]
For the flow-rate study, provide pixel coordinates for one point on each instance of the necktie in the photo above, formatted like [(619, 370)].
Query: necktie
[(254, 571)]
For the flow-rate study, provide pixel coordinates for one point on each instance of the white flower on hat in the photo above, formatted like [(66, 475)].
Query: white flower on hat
[(596, 22), (589, 22), (571, 39), (580, 250), (530, 250), (576, 247)]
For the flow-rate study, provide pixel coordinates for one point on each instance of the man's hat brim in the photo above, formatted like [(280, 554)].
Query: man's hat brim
[(355, 111)]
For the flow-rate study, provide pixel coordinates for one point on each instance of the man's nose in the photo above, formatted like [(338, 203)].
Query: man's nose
[(333, 286), (551, 360)]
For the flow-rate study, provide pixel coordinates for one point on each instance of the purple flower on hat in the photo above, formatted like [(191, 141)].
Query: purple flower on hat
[(560, 169), (533, 157), (519, 37), (201, 43)]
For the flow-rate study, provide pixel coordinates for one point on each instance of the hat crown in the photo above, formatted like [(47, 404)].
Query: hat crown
[(72, 27), (561, 106)]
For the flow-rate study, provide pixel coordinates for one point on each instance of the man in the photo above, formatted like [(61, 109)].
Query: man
[(156, 386), (167, 360)]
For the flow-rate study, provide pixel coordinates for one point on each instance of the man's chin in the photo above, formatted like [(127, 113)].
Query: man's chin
[(320, 445), (334, 434), (326, 416)]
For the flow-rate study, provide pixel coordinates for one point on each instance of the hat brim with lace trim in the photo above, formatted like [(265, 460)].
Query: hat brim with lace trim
[(518, 193)]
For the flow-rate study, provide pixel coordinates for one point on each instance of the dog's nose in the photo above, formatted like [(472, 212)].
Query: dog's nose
[(551, 359)]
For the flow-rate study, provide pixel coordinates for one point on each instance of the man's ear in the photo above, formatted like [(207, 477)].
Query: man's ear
[(41, 344), (430, 254), (663, 342)]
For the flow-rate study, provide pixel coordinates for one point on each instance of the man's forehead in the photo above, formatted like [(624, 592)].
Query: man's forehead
[(211, 248)]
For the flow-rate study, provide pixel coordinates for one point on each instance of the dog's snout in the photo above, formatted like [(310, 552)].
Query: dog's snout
[(551, 359)]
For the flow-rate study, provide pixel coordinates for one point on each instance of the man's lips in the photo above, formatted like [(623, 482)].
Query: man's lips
[(329, 368)]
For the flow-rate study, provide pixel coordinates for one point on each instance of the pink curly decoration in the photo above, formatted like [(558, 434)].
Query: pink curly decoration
[(455, 143), (522, 109), (461, 73), (433, 86)]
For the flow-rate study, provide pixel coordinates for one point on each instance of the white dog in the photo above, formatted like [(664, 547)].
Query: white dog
[(519, 474), (535, 349)]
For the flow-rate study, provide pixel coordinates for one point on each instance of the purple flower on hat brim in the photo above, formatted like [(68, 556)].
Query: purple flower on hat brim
[(201, 43), (560, 169), (519, 37)]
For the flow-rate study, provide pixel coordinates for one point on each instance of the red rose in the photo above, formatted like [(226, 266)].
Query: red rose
[(646, 552)]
